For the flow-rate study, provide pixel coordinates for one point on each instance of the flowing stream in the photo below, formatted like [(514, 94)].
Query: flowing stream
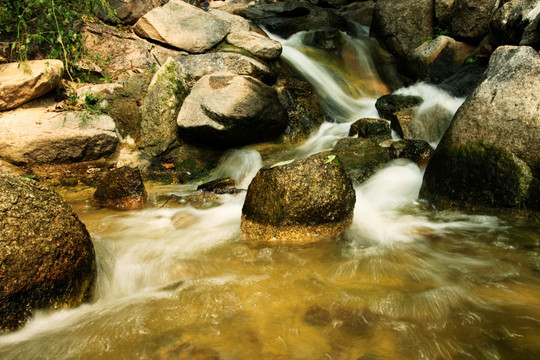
[(176, 281)]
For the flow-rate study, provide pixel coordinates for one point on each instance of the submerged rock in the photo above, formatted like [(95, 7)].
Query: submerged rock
[(46, 255), (121, 189), (305, 201), (220, 186), (20, 83), (490, 155), (228, 110)]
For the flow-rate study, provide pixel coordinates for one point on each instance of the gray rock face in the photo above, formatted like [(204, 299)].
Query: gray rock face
[(306, 201), (257, 44), (287, 18), (38, 136), (196, 66), (182, 26), (443, 12), (402, 25), (517, 22), (46, 253), (470, 19), (490, 155), (159, 109), (229, 110), (20, 83)]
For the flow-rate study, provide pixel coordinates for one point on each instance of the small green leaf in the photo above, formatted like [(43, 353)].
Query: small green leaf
[(330, 158)]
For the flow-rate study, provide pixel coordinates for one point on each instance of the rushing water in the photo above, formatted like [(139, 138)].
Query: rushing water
[(176, 281)]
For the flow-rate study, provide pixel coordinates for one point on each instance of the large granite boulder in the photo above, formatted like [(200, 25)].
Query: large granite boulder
[(257, 44), (229, 110), (121, 189), (36, 135), (196, 66), (470, 19), (517, 22), (20, 83), (287, 18), (490, 155), (304, 201), (182, 26), (159, 110), (402, 25), (46, 255), (129, 11)]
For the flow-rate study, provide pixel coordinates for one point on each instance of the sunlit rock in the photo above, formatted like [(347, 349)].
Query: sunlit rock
[(228, 110), (361, 157), (257, 44), (20, 83), (159, 110), (46, 254), (196, 66), (298, 202), (37, 135), (121, 189), (182, 26), (490, 154)]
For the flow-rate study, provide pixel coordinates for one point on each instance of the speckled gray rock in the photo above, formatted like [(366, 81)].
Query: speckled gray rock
[(46, 256), (308, 200), (490, 154)]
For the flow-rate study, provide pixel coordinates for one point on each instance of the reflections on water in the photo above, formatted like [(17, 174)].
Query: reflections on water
[(177, 281)]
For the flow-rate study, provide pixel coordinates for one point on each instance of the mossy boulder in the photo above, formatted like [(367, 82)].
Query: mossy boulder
[(304, 201), (490, 155), (47, 259)]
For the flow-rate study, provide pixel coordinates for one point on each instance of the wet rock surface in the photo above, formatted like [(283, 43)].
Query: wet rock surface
[(308, 200), (418, 151), (121, 189), (376, 129), (398, 109), (46, 255)]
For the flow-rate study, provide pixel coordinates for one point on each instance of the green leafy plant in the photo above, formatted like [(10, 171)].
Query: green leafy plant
[(47, 28)]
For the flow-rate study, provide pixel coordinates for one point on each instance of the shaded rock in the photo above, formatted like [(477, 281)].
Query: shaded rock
[(47, 256), (303, 109), (326, 39), (287, 18), (21, 83), (182, 26), (438, 59), (112, 53), (443, 12), (361, 157), (121, 189), (305, 201), (159, 110), (129, 11), (402, 25), (463, 82), (237, 23), (428, 124), (490, 155), (257, 44), (517, 22), (399, 109), (418, 151), (98, 94), (36, 135), (470, 19), (376, 129), (196, 66), (220, 186), (124, 104), (358, 12), (8, 168), (225, 109)]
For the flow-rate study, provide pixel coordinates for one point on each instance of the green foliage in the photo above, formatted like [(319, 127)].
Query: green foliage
[(47, 27)]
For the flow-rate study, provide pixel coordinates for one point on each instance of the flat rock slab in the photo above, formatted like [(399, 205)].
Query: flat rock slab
[(257, 44), (182, 26), (21, 83), (36, 135)]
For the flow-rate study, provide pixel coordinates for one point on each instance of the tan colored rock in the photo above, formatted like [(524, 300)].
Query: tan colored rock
[(257, 44), (20, 83), (238, 23), (39, 135), (182, 26)]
